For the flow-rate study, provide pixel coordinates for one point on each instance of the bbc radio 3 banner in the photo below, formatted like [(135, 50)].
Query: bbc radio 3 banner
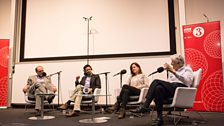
[(4, 57), (202, 43)]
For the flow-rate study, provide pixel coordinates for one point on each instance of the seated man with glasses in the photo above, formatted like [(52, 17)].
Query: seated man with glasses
[(179, 75), (39, 84), (90, 82)]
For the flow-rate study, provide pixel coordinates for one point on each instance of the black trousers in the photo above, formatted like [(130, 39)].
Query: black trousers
[(127, 91), (159, 91)]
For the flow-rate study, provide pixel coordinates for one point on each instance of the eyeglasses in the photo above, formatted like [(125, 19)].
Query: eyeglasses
[(40, 71)]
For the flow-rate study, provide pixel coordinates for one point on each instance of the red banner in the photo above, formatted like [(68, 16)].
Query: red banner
[(4, 58), (202, 43)]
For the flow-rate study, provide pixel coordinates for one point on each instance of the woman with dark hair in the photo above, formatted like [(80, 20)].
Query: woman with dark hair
[(133, 87)]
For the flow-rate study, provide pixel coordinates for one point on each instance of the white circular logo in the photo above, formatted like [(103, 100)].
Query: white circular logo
[(198, 32)]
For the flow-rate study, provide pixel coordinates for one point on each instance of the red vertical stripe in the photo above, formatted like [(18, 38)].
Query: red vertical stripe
[(4, 58)]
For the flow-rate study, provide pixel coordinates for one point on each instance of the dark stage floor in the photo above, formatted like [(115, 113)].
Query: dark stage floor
[(16, 117)]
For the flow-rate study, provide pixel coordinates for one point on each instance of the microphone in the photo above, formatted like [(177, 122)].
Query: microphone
[(121, 72), (44, 74), (103, 73), (159, 70), (55, 73), (59, 71), (206, 17), (88, 19)]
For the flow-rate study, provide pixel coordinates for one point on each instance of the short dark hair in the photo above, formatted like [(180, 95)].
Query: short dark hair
[(87, 65)]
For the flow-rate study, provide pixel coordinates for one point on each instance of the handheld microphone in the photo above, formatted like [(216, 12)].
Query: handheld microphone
[(44, 74), (159, 70), (121, 72)]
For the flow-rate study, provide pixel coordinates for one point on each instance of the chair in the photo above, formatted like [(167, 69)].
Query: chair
[(88, 99), (135, 100), (31, 101), (184, 96)]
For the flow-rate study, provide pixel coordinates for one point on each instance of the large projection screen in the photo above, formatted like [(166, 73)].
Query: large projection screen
[(56, 29)]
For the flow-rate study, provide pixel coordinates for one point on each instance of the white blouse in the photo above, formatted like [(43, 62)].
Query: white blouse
[(138, 81)]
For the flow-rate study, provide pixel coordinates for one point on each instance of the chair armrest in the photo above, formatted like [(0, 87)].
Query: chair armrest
[(117, 92), (26, 97), (28, 100), (97, 91), (25, 88), (184, 97), (142, 95)]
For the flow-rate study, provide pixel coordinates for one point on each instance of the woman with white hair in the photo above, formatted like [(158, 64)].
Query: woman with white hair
[(159, 90)]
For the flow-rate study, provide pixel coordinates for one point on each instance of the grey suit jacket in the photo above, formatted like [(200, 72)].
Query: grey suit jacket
[(32, 83)]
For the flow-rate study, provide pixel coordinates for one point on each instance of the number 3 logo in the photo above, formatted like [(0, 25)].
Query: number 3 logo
[(198, 32)]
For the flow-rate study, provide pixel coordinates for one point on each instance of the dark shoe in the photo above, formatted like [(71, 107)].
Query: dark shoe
[(141, 109), (122, 114), (169, 112), (114, 108), (50, 99), (73, 113), (63, 107), (38, 113), (157, 122)]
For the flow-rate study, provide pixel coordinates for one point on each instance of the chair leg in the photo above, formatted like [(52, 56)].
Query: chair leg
[(174, 116), (194, 122), (152, 112), (26, 107), (169, 112), (137, 114), (132, 115), (201, 121), (175, 120), (50, 106)]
